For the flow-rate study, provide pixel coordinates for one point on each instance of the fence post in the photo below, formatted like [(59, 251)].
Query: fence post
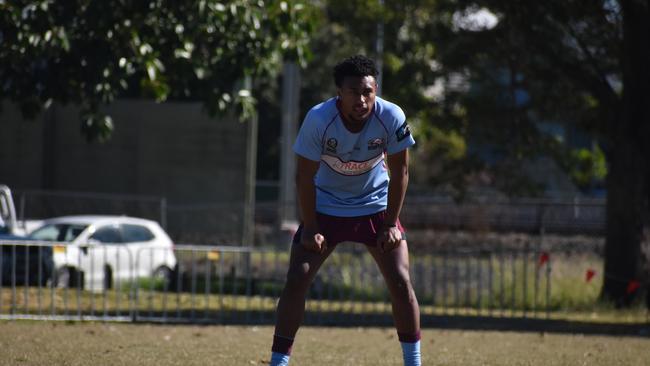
[(525, 280), (163, 212), (542, 233)]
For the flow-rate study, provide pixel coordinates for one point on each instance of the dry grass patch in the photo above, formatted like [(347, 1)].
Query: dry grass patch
[(56, 343)]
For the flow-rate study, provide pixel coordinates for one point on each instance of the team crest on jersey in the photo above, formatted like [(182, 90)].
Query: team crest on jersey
[(376, 143), (403, 131), (331, 145)]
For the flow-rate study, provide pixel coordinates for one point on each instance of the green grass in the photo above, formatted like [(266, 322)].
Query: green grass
[(510, 282), (517, 282), (112, 302)]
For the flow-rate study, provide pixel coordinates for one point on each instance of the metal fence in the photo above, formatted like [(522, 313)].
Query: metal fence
[(219, 284), (197, 223), (221, 222), (565, 216)]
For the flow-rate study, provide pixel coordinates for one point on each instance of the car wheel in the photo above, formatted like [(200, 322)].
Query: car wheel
[(41, 275), (67, 277), (108, 278), (163, 275)]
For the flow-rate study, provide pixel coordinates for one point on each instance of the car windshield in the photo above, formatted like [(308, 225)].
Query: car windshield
[(58, 232)]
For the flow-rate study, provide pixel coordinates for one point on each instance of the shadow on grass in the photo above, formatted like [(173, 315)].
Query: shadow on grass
[(450, 322), (537, 325)]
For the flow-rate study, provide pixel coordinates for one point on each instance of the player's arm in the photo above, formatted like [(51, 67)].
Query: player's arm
[(398, 166), (305, 173)]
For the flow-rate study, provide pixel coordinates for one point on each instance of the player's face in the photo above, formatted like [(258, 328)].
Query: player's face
[(357, 97)]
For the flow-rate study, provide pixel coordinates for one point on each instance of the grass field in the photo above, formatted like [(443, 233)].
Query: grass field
[(354, 290), (59, 343)]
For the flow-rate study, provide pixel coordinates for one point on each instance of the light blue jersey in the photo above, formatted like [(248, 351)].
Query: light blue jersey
[(352, 179)]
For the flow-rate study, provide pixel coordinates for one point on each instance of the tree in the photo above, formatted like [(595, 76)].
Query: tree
[(628, 203), (90, 52), (477, 92), (567, 57)]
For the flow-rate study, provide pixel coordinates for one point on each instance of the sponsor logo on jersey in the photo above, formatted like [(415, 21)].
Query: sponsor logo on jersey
[(352, 167), (331, 144), (403, 131), (376, 143)]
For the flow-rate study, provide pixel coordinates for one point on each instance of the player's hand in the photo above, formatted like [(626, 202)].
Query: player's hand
[(388, 239), (313, 241)]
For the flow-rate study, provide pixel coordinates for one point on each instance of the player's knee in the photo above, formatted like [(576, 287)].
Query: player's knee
[(403, 283), (404, 288)]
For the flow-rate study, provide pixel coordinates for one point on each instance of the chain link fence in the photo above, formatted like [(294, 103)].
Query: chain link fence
[(516, 258), (219, 222), (220, 284)]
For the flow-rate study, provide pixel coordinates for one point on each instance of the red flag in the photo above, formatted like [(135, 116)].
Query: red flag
[(632, 286), (590, 274), (543, 258)]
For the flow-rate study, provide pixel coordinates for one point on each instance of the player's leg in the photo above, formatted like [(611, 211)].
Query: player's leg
[(303, 266), (394, 266)]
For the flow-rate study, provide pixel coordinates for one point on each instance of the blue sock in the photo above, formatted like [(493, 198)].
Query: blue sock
[(279, 359), (411, 353)]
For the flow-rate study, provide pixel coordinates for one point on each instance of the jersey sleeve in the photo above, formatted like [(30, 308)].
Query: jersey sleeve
[(308, 142), (399, 132)]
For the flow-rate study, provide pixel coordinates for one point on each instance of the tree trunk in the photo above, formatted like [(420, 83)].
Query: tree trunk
[(625, 211), (628, 192)]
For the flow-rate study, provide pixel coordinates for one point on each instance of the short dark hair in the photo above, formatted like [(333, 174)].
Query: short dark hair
[(358, 66)]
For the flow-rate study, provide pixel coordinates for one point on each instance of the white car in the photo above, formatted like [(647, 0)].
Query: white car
[(97, 251)]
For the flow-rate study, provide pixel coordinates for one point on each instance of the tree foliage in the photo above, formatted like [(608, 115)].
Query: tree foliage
[(550, 64), (474, 101), (578, 65), (91, 52)]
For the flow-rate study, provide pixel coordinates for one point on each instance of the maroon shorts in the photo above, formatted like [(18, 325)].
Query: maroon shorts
[(359, 229)]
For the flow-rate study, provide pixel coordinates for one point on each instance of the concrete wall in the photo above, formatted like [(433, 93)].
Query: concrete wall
[(21, 144), (171, 150)]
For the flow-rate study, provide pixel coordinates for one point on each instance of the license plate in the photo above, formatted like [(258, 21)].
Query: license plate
[(213, 255)]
